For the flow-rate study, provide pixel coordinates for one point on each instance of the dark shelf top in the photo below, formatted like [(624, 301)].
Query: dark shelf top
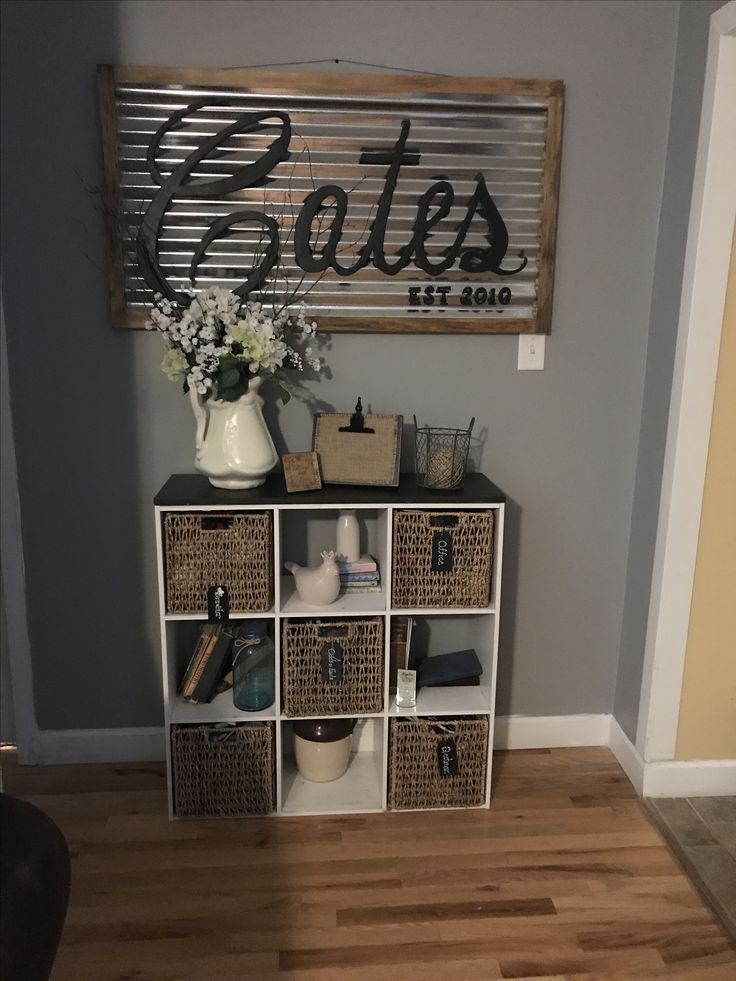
[(189, 489)]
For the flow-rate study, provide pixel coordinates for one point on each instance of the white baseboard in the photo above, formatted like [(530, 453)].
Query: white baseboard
[(96, 746), (672, 778), (548, 731), (628, 756), (690, 778)]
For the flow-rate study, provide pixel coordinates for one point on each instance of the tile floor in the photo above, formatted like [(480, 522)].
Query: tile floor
[(702, 833)]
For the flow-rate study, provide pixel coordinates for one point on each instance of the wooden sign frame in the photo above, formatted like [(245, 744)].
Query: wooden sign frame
[(432, 307)]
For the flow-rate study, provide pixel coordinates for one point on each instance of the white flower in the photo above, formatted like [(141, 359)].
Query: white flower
[(217, 324)]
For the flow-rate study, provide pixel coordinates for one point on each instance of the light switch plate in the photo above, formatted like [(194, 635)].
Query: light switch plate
[(531, 352)]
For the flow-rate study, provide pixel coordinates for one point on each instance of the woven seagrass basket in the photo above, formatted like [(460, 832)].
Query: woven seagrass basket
[(223, 772), (415, 779), (360, 688), (466, 583), (229, 549)]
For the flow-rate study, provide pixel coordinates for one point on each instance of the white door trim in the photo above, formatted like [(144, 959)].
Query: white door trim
[(710, 231)]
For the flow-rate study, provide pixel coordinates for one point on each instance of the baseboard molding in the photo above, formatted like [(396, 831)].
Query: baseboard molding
[(96, 746), (548, 731), (690, 778), (627, 755), (672, 778)]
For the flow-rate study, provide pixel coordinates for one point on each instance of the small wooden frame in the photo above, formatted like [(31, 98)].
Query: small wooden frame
[(301, 472)]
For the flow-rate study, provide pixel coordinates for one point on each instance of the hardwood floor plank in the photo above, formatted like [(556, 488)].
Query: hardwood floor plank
[(678, 939), (581, 965), (434, 912), (454, 971), (381, 955), (135, 963)]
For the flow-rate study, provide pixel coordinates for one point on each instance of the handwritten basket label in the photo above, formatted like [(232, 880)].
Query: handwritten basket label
[(441, 551), (218, 604), (447, 758), (331, 663)]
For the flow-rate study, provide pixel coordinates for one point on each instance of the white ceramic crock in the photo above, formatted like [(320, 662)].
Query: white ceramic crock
[(322, 762)]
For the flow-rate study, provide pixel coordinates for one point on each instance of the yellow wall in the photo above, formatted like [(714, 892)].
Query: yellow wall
[(707, 724)]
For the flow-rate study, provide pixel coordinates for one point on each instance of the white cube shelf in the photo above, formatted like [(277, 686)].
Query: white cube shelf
[(304, 524)]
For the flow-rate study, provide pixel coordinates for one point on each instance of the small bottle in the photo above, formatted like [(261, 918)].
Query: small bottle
[(348, 537), (254, 663)]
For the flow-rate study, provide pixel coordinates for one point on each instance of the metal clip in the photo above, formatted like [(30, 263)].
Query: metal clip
[(357, 421)]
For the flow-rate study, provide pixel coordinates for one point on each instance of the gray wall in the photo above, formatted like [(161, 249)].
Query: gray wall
[(692, 42), (99, 429)]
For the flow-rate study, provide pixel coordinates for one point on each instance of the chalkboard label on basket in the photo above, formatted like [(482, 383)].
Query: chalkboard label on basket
[(441, 551), (331, 663), (447, 758), (218, 604)]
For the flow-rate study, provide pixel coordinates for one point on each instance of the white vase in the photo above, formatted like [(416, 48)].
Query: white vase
[(233, 445), (348, 537)]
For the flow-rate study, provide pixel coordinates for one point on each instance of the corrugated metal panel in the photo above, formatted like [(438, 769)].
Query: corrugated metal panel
[(458, 135)]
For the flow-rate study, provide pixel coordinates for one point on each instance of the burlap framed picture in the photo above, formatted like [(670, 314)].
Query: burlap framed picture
[(369, 457)]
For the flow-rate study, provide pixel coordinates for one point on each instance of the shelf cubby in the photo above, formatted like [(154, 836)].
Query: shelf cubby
[(181, 639), (361, 788)]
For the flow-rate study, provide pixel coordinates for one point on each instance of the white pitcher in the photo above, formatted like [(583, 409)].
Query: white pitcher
[(234, 446)]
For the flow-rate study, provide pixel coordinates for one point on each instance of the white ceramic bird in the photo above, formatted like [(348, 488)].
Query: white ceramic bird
[(318, 585)]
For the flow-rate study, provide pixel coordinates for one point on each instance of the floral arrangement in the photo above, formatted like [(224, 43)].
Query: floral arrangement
[(219, 342)]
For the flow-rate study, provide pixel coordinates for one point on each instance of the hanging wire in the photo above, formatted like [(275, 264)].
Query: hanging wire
[(338, 61)]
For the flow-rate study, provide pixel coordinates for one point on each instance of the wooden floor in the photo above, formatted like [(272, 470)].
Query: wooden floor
[(565, 877)]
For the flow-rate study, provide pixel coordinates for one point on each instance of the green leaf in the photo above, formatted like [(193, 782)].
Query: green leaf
[(295, 389)]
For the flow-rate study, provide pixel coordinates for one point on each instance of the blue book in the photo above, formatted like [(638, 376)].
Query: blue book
[(444, 669)]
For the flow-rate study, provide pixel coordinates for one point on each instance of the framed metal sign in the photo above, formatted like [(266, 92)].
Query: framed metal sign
[(380, 202)]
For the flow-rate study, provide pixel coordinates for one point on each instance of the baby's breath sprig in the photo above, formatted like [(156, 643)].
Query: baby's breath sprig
[(218, 343)]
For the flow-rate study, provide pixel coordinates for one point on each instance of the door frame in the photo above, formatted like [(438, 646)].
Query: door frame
[(705, 276)]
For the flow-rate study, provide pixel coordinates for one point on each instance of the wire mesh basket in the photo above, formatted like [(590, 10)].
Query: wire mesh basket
[(441, 455)]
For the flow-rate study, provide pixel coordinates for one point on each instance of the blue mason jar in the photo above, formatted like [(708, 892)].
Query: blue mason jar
[(254, 664)]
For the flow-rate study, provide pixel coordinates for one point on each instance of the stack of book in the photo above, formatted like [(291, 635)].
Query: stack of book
[(209, 662), (360, 577)]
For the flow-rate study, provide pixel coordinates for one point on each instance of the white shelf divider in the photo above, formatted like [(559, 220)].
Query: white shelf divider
[(220, 709), (464, 700), (349, 605), (188, 617), (444, 611)]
